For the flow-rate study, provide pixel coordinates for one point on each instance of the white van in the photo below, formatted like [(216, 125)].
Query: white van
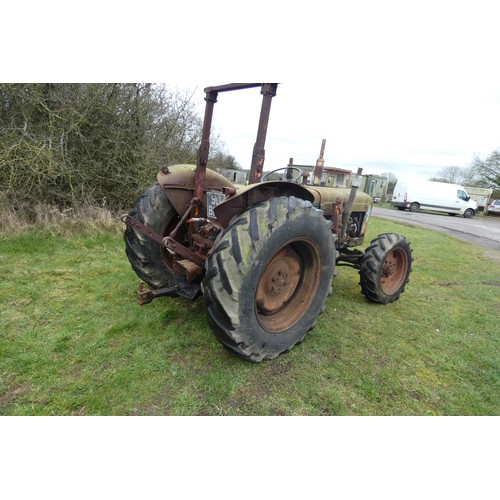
[(435, 196)]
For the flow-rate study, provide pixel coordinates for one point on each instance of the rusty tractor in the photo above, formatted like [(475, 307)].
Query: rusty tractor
[(264, 255)]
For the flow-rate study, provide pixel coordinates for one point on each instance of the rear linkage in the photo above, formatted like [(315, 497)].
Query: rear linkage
[(191, 264)]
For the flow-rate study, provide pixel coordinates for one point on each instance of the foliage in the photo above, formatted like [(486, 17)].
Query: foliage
[(391, 181), (225, 161), (99, 144), (74, 340), (455, 175), (480, 173), (489, 168)]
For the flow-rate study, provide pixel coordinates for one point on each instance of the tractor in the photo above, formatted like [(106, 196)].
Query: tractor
[(262, 255)]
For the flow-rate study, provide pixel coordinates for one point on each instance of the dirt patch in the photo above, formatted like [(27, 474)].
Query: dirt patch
[(7, 398)]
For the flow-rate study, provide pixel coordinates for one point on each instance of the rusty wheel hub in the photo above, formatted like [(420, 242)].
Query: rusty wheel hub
[(393, 271), (287, 286), (279, 281)]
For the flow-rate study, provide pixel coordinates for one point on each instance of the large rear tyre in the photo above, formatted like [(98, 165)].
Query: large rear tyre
[(147, 258), (268, 277), (385, 268)]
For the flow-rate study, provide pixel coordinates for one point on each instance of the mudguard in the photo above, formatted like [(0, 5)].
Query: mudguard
[(250, 195), (178, 183)]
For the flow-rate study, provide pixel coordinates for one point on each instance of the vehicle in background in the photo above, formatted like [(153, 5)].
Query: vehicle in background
[(493, 207), (434, 196)]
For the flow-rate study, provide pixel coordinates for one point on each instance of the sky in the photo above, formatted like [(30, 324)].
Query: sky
[(393, 86), (410, 90), (381, 129)]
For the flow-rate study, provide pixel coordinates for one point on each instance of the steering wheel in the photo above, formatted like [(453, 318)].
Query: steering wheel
[(288, 174)]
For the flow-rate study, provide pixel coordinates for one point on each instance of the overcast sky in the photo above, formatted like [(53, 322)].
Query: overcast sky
[(405, 127), (409, 89), (399, 86), (405, 87)]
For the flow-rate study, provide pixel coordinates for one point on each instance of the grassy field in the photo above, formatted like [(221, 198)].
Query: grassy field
[(74, 342)]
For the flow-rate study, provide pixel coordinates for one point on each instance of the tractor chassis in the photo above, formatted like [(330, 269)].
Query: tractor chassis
[(193, 264)]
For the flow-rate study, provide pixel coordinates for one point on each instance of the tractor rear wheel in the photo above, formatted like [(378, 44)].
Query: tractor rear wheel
[(385, 268), (147, 258), (268, 277)]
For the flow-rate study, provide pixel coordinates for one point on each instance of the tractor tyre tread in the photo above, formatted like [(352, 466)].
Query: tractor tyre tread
[(154, 210), (372, 263), (240, 254)]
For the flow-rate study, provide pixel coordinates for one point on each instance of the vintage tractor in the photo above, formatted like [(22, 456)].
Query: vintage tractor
[(264, 255)]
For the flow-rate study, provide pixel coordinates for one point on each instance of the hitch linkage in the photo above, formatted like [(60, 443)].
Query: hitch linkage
[(179, 288)]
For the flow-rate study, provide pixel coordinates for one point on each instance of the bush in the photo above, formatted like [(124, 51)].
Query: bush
[(70, 145)]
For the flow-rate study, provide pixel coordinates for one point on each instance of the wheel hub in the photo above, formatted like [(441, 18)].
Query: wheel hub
[(393, 271), (279, 281), (389, 267)]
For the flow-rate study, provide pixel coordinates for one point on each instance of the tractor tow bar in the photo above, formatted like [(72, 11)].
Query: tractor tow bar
[(130, 221), (168, 242), (180, 288)]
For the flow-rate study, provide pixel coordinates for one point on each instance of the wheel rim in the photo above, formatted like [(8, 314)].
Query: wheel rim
[(287, 286), (394, 271)]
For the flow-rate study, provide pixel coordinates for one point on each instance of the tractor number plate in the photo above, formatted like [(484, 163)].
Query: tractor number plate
[(213, 199)]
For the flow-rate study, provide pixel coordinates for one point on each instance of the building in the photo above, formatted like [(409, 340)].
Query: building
[(479, 195), (332, 177), (235, 176), (375, 186)]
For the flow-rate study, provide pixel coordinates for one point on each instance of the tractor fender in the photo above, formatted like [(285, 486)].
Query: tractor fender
[(248, 196), (178, 183)]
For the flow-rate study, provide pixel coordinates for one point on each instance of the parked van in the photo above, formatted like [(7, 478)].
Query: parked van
[(435, 196)]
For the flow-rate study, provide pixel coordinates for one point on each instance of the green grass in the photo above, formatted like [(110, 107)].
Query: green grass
[(74, 341)]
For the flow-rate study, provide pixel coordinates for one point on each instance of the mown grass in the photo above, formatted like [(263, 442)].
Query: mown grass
[(74, 342)]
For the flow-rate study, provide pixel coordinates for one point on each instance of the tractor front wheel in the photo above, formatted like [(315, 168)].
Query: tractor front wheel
[(385, 268), (268, 277)]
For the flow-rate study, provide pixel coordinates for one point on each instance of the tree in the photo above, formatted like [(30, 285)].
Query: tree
[(454, 175), (67, 144), (221, 159), (488, 169)]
